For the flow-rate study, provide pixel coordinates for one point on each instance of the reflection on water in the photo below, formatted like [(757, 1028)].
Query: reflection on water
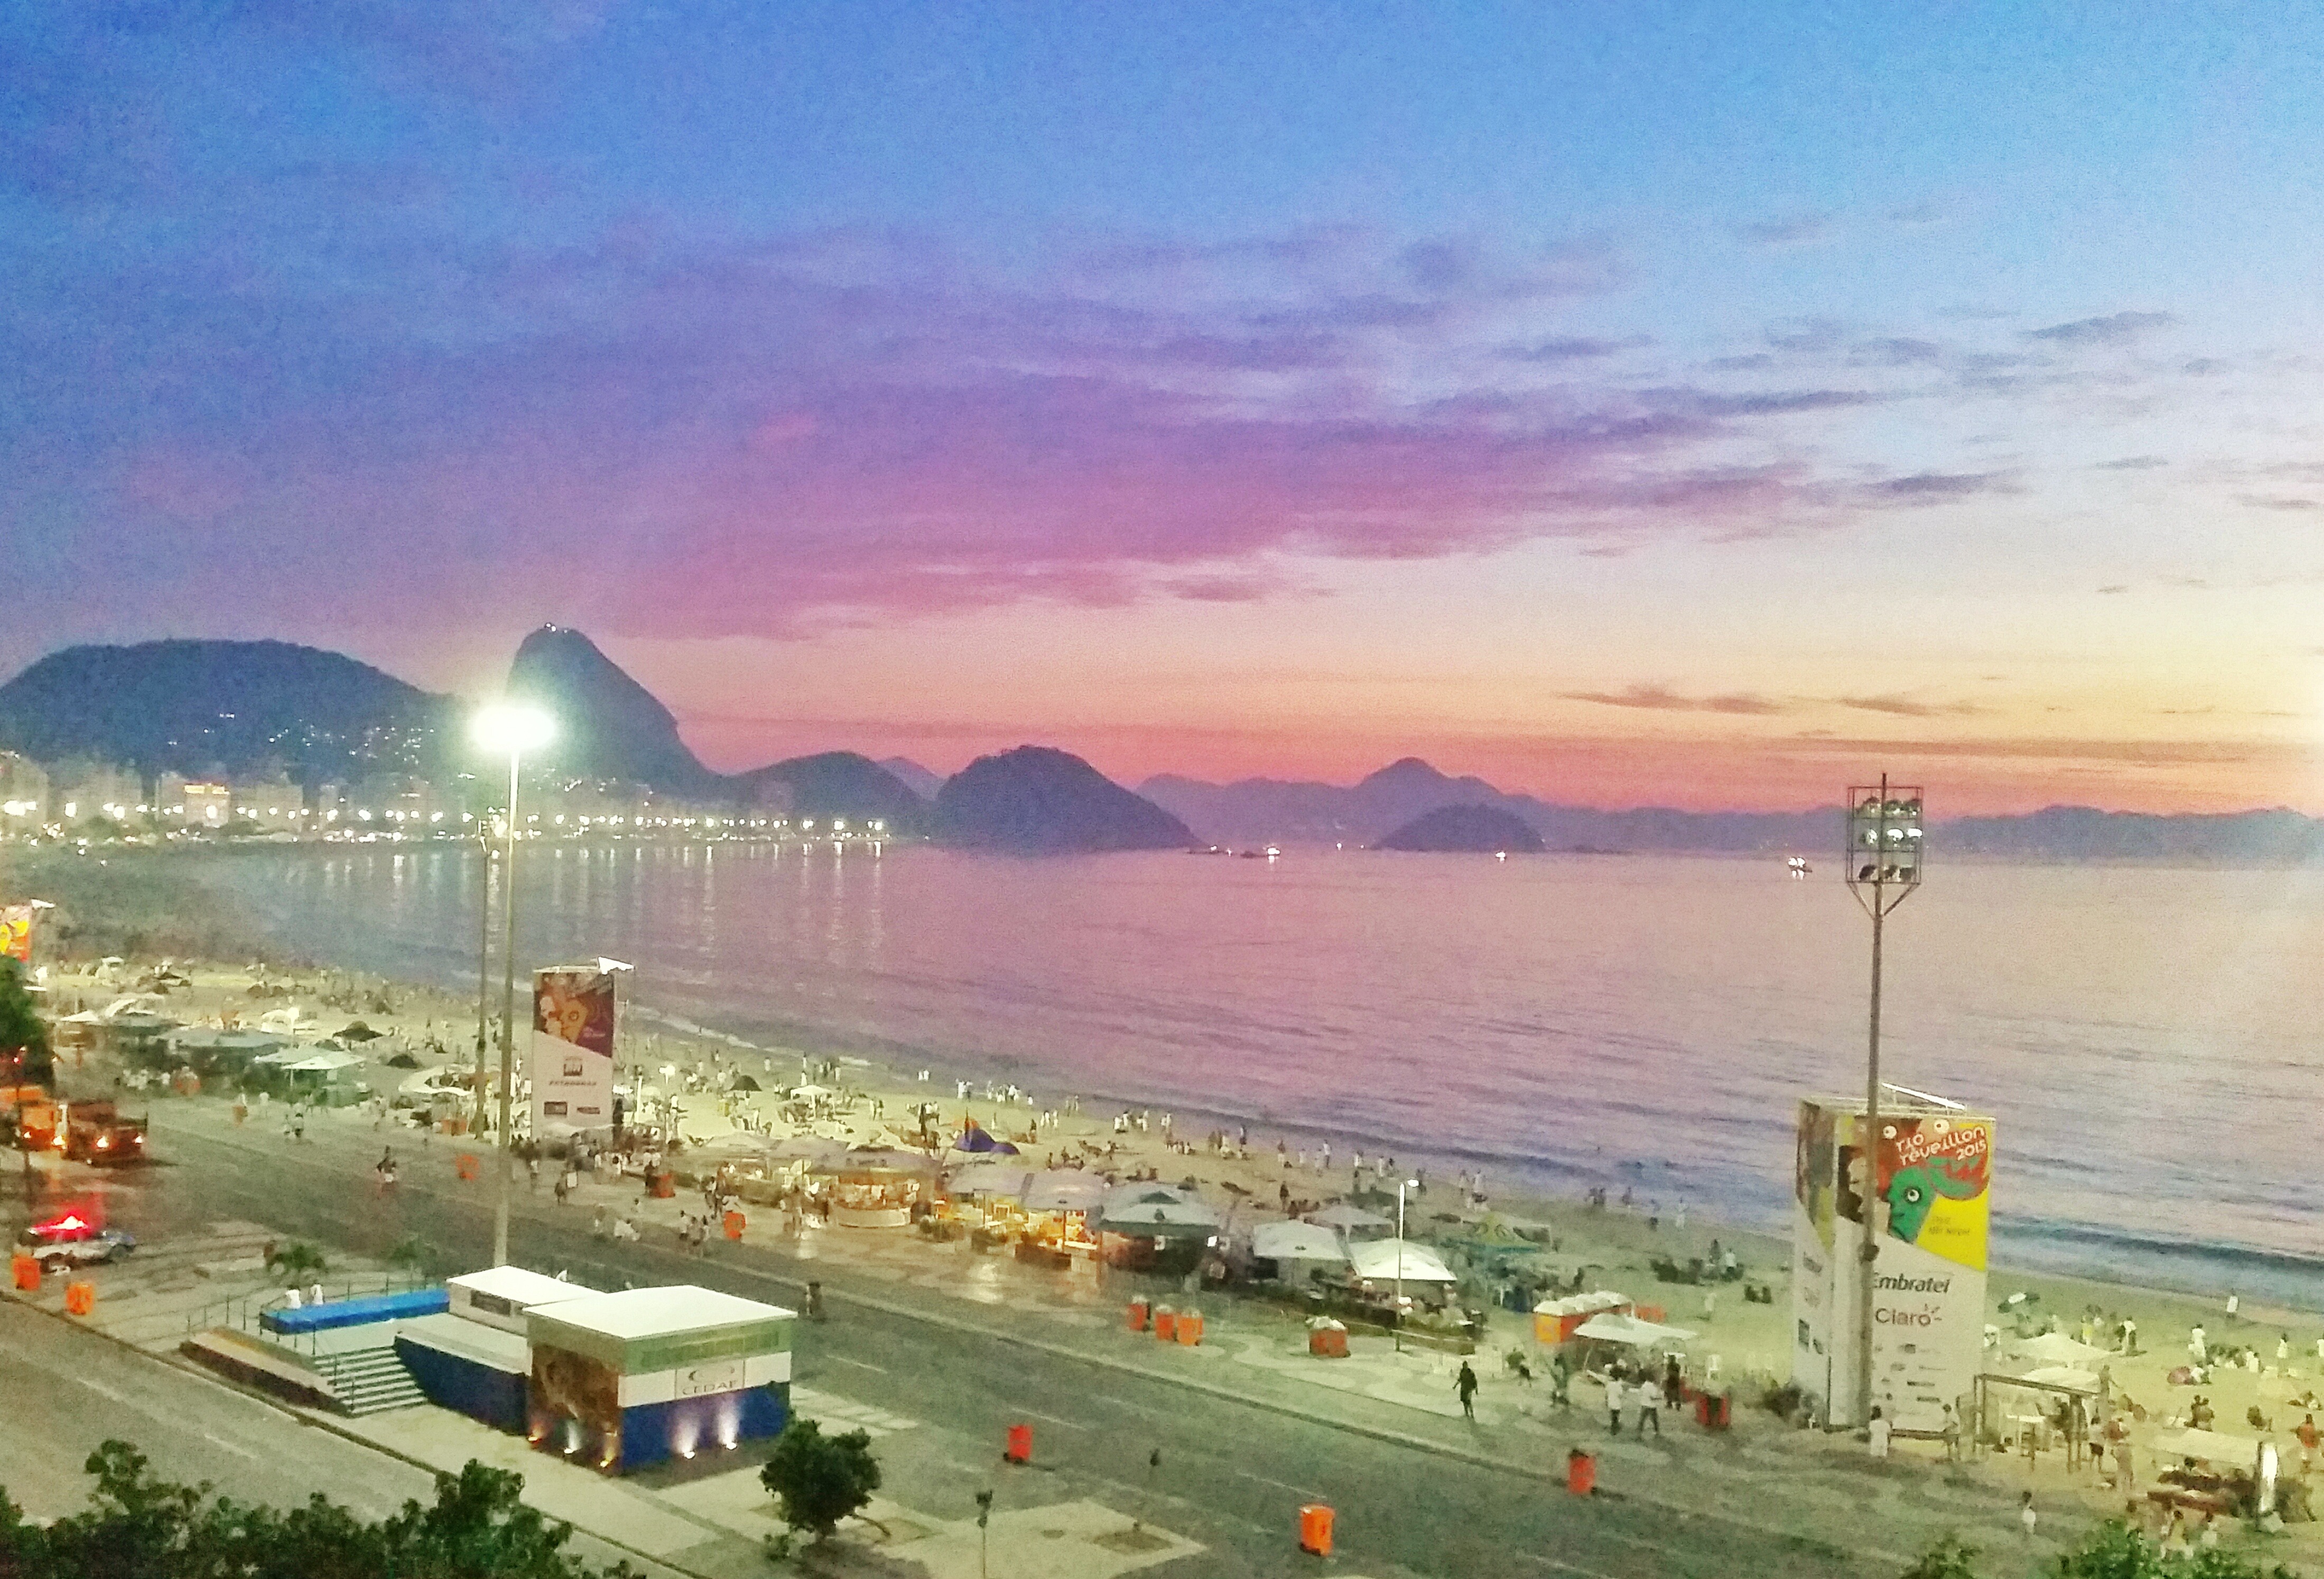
[(2144, 1037)]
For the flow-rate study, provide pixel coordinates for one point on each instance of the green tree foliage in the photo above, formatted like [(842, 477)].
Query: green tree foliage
[(820, 1480), (140, 1527), (1950, 1559), (2113, 1550), (295, 1260), (22, 1031)]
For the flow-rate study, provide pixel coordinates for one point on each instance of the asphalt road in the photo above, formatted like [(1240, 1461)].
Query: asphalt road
[(1233, 1474), (69, 1390)]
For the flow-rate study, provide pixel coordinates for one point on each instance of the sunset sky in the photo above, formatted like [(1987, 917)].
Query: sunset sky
[(1692, 404)]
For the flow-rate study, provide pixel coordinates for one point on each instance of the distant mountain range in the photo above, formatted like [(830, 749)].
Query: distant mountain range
[(1259, 811), (236, 708), (1485, 830)]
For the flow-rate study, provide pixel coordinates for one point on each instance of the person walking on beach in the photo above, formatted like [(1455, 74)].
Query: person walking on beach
[(1465, 1387), (1650, 1406), (2028, 1520), (1877, 1434), (1560, 1379), (2307, 1433), (1614, 1403)]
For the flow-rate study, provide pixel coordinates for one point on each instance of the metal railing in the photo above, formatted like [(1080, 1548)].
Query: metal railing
[(241, 1311)]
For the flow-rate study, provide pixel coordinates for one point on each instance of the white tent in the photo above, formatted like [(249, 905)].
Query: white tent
[(1376, 1262), (322, 1063), (2215, 1445), (1614, 1327), (1005, 1181), (2063, 1376), (1064, 1189), (1353, 1221), (1583, 1303), (2058, 1349), (1156, 1211), (1296, 1241)]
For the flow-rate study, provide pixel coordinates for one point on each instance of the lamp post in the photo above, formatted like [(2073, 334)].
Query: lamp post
[(484, 963), (1402, 1185), (1885, 849), (514, 729)]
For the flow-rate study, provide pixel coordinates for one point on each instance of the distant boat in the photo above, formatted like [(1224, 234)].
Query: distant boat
[(1269, 854), (1208, 850), (1799, 866)]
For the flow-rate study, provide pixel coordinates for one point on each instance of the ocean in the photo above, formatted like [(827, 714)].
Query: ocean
[(2146, 1038)]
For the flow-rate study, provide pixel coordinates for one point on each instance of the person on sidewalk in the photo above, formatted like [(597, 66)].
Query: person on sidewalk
[(1561, 1381), (1614, 1402), (2028, 1520), (1650, 1406), (1465, 1386), (1876, 1433)]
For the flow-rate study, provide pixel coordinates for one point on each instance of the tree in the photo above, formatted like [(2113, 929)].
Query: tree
[(2113, 1550), (295, 1260), (139, 1527), (820, 1480), (24, 1054), (1950, 1559)]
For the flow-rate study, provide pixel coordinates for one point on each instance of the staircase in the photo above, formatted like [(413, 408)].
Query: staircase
[(367, 1381)]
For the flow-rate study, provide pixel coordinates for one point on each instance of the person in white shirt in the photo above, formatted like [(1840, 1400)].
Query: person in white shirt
[(1650, 1405), (1877, 1433), (1613, 1403)]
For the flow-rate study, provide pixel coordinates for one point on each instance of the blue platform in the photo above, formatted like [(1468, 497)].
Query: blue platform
[(371, 1307)]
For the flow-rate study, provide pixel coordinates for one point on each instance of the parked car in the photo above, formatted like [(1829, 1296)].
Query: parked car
[(71, 1240)]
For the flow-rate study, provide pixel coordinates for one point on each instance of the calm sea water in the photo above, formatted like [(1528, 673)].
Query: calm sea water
[(2146, 1038)]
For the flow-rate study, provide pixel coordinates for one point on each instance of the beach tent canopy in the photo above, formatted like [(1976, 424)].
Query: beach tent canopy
[(1002, 1180), (2058, 1349), (1348, 1219), (1153, 1210), (2064, 1376), (357, 1032), (1376, 1262), (323, 1064), (1064, 1189), (976, 1137), (882, 1159), (810, 1092), (745, 1082), (2216, 1445), (1614, 1327), (1583, 1303), (1295, 1241)]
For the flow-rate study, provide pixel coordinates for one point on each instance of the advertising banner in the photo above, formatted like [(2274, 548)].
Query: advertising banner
[(573, 1014), (17, 932), (1930, 1184)]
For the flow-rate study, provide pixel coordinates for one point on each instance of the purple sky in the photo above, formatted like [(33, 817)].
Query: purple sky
[(1706, 407)]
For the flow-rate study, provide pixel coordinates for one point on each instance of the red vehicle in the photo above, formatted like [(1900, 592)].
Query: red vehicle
[(96, 1132)]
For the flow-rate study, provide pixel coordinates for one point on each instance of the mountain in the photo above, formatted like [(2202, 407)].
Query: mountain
[(840, 784), (230, 707), (916, 778), (608, 726), (1481, 829), (1037, 800)]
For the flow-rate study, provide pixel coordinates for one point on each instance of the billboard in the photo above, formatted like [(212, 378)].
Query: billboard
[(17, 932), (572, 1069), (1930, 1178)]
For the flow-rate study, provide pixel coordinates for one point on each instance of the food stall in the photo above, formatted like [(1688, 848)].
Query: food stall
[(1556, 1320), (879, 1187), (1058, 1206)]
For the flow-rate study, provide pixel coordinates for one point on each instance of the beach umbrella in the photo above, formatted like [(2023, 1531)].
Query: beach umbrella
[(357, 1032), (976, 1139)]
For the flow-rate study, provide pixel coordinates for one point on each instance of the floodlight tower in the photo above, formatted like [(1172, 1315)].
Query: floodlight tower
[(514, 729), (1886, 847)]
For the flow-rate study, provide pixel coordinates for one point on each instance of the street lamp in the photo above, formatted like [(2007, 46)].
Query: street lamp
[(1885, 850), (1402, 1185), (516, 729)]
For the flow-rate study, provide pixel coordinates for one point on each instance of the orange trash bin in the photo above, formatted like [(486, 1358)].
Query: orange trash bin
[(1316, 1529), (1020, 1445), (464, 1165), (1139, 1310), (735, 1225), (1190, 1327), (1165, 1322), (1581, 1473), (80, 1298), (26, 1270)]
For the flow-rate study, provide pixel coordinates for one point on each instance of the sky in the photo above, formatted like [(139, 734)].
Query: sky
[(1697, 405)]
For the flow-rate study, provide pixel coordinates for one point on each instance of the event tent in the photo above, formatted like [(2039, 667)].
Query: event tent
[(1156, 1211), (1376, 1262), (2217, 1447), (2057, 1349), (1299, 1242), (1005, 1181), (1614, 1327), (2064, 1376), (1350, 1220), (1064, 1189)]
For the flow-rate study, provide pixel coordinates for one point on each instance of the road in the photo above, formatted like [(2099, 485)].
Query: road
[(1233, 1471), (69, 1390)]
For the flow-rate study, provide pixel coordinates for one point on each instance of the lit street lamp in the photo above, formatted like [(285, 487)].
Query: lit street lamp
[(1402, 1185), (1885, 849), (514, 729)]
